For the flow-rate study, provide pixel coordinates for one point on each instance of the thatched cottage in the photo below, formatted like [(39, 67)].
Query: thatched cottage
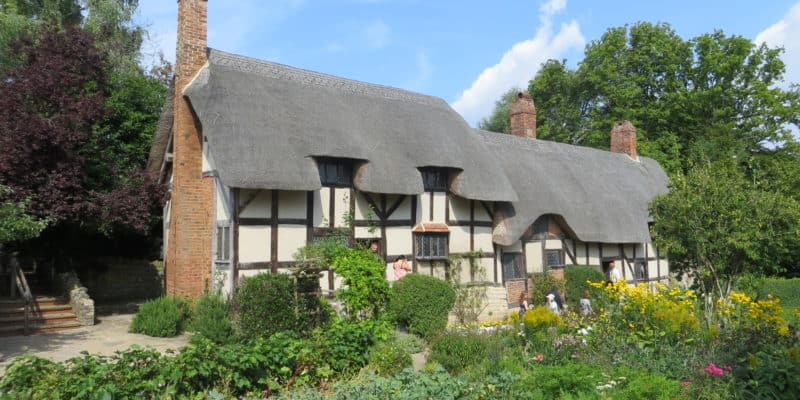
[(262, 158)]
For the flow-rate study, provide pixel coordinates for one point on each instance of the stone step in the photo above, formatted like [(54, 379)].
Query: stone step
[(36, 311), (38, 328), (49, 319)]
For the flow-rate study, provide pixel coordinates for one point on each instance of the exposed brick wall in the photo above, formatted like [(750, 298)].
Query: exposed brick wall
[(523, 116), (188, 259), (514, 288), (623, 139)]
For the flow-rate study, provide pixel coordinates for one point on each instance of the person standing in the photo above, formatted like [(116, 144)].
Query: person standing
[(401, 267), (586, 304), (613, 273), (551, 303), (523, 304)]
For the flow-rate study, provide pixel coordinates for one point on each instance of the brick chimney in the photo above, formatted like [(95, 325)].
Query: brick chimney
[(188, 256), (623, 139), (523, 116)]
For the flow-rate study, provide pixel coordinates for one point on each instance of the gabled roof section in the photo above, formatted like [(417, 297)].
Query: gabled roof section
[(265, 123), (161, 137), (602, 196)]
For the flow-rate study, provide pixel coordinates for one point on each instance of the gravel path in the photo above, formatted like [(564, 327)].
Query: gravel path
[(109, 335)]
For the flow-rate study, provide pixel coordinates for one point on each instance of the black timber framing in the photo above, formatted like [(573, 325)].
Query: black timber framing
[(235, 261), (274, 232)]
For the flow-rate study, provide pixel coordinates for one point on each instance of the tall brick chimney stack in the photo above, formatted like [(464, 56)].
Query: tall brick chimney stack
[(523, 116), (623, 139), (188, 256)]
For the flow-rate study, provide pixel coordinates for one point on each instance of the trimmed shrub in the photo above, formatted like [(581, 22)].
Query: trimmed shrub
[(212, 319), (422, 303), (458, 351), (161, 317), (265, 304), (542, 282), (576, 277), (365, 291)]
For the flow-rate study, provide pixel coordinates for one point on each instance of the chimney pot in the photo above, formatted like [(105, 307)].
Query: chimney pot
[(523, 116), (623, 139)]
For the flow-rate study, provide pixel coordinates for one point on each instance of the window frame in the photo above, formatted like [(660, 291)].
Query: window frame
[(435, 179), (519, 266), (420, 237), (547, 254), (222, 243), (342, 169)]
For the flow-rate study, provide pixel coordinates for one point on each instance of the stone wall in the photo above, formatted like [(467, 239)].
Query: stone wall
[(495, 305), (70, 286), (113, 280)]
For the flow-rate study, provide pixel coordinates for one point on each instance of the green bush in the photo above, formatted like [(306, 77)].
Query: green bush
[(343, 347), (161, 317), (559, 381), (457, 351), (542, 282), (409, 342), (212, 319), (388, 358), (422, 303), (365, 291), (788, 290), (635, 385), (265, 304), (576, 277)]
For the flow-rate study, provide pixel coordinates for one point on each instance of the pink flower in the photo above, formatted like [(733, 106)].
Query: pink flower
[(714, 370), (539, 357), (686, 383)]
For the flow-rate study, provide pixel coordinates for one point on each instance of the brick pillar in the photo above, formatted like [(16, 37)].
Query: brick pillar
[(523, 116), (188, 261), (623, 139)]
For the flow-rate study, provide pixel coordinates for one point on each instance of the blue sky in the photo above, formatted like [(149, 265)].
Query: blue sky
[(466, 52)]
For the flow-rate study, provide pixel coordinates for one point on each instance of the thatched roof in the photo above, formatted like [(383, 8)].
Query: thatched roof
[(265, 122), (602, 196), (161, 137)]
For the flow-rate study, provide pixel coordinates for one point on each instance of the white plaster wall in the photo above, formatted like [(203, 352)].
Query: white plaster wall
[(459, 239), (362, 232), (291, 204), (208, 164), (259, 207), (483, 239), (341, 208), (403, 211), (362, 207), (610, 250), (290, 238), (423, 207), (552, 244), (398, 240), (252, 272), (514, 248), (594, 254), (480, 212), (487, 265), (459, 208), (254, 243), (533, 257), (321, 199), (222, 204), (221, 274), (439, 204)]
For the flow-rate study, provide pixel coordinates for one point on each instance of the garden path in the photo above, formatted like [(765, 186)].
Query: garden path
[(109, 335)]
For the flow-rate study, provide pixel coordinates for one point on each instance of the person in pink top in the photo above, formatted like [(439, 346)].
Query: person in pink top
[(401, 267)]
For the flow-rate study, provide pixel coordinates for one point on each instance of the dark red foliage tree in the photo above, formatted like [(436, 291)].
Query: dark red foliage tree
[(51, 111), (48, 106)]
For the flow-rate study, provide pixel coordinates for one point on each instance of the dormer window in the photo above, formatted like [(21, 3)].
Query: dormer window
[(334, 172), (434, 179)]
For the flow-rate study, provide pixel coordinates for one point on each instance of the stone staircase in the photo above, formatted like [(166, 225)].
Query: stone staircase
[(47, 314)]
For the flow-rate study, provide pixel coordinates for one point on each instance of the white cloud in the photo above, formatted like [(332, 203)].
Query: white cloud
[(519, 64), (785, 33), (423, 74), (376, 34)]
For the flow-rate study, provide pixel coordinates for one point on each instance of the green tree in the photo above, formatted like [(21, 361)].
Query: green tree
[(15, 223), (704, 99), (499, 121), (717, 225)]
